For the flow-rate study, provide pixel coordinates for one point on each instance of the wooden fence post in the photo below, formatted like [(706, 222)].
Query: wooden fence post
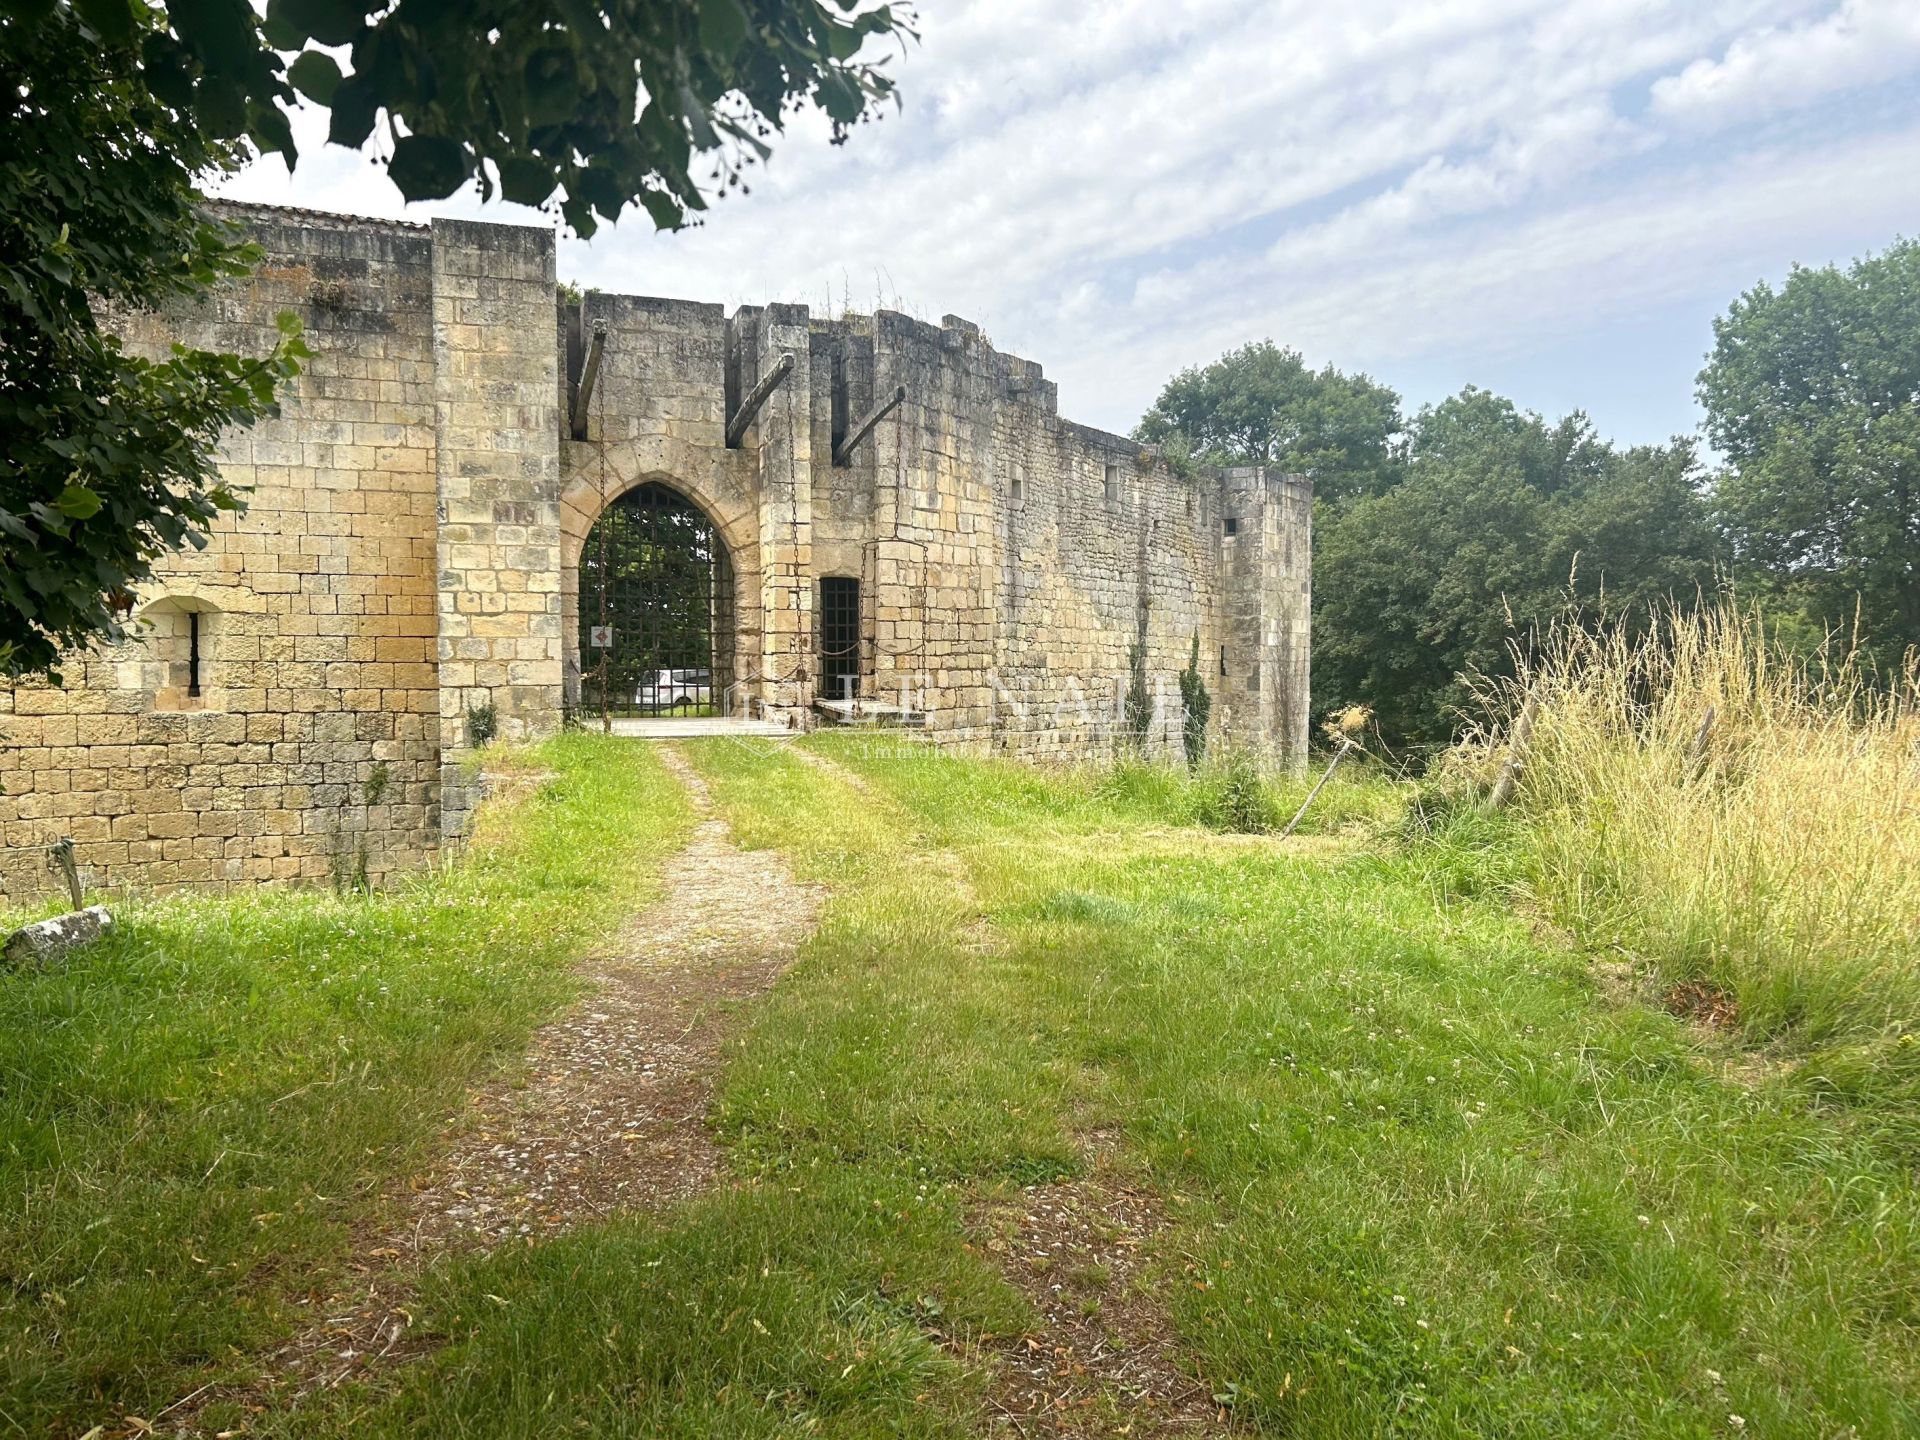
[(1697, 752), (1516, 761), (1332, 765)]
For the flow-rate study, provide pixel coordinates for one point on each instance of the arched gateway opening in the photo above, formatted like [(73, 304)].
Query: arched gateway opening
[(655, 608)]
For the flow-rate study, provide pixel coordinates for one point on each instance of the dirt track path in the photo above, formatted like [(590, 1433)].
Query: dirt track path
[(607, 1115), (611, 1114)]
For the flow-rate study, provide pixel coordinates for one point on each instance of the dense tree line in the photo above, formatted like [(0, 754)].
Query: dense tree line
[(1444, 538)]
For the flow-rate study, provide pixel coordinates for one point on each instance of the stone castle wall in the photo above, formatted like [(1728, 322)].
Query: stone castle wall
[(417, 517), (314, 745)]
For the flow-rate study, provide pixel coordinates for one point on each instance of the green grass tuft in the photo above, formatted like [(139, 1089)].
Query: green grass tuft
[(765, 1311)]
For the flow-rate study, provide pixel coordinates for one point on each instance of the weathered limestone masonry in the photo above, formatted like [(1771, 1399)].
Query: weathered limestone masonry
[(497, 462), (313, 745), (298, 703)]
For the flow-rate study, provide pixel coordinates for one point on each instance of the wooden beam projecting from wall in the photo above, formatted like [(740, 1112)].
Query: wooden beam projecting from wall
[(589, 376), (844, 450), (750, 407)]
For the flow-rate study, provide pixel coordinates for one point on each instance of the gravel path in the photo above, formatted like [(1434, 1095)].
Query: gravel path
[(611, 1112), (607, 1115)]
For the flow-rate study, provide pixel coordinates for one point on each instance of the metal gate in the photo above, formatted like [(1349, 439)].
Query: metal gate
[(656, 608), (839, 637)]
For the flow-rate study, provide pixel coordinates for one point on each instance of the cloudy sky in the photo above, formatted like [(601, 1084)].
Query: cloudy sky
[(1548, 199)]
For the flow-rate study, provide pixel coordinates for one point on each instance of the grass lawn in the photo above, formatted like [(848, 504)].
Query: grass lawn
[(1427, 1178), (196, 1113)]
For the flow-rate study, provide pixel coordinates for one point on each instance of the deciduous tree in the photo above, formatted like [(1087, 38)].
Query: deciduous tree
[(107, 456), (1812, 392), (1261, 405), (1502, 522), (114, 112)]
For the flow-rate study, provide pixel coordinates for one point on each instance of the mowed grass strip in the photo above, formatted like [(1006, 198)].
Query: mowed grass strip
[(1426, 1179), (196, 1113)]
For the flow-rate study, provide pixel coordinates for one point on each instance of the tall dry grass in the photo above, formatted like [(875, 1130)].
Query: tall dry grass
[(1773, 850)]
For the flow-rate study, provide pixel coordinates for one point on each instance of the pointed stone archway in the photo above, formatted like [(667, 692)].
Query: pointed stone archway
[(717, 530), (654, 609)]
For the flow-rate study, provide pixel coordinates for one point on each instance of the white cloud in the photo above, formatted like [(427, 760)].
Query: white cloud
[(1562, 271), (1864, 42), (1121, 189)]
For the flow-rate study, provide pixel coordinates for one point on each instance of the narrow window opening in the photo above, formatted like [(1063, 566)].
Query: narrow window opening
[(180, 668), (1017, 485), (1113, 483), (1230, 525), (840, 403), (1223, 660)]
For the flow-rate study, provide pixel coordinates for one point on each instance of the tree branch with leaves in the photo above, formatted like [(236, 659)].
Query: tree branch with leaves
[(117, 113)]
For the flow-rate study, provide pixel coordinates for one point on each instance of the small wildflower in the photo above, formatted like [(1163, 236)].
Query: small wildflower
[(1737, 1421), (1400, 1300)]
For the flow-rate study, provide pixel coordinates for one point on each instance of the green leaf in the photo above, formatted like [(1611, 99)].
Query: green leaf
[(78, 503), (698, 125), (168, 76), (271, 131), (526, 181), (841, 98), (579, 217), (223, 35), (844, 41), (723, 27), (50, 520), (354, 108), (428, 167), (221, 106), (331, 22), (661, 209), (316, 75), (552, 79), (111, 20), (280, 32)]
